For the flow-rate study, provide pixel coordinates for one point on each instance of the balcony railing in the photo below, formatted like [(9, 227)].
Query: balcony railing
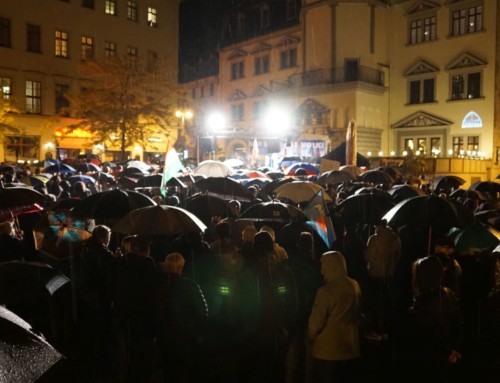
[(331, 76)]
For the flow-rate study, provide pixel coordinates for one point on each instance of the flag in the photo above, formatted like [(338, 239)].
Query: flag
[(171, 167), (351, 144), (319, 219)]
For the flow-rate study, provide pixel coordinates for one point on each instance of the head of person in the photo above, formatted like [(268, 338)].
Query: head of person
[(427, 275), (444, 245), (235, 207), (126, 243), (248, 234), (102, 234), (305, 244), (174, 263), (7, 228), (333, 265), (263, 243), (141, 246), (270, 230), (223, 230)]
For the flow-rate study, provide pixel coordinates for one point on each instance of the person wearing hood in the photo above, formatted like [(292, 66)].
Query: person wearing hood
[(334, 323), (383, 251)]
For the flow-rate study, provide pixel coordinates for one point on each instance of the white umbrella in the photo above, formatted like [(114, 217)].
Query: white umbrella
[(233, 162), (299, 191), (211, 168)]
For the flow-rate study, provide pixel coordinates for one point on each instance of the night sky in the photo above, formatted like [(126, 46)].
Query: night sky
[(199, 36)]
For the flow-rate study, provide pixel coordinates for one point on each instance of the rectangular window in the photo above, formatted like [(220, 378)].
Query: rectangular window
[(22, 147), (414, 92), (423, 29), (428, 90), (237, 70), (4, 32), (33, 97), (258, 110), (416, 32), (152, 17), (62, 103), (88, 4), (109, 49), (61, 41), (110, 7), (429, 28), (33, 38), (237, 112), (262, 64), (132, 11), (458, 145), (473, 143), (87, 48), (5, 88), (467, 20), (466, 85), (132, 56), (435, 146), (288, 58), (422, 145)]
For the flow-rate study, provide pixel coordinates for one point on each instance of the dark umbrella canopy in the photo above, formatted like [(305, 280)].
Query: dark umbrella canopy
[(24, 355), (425, 212), (377, 177), (59, 168), (111, 204), (364, 208), (487, 187), (335, 177), (87, 167), (401, 192), (224, 188), (206, 206), (446, 183), (474, 238), (159, 220), (20, 196), (274, 211)]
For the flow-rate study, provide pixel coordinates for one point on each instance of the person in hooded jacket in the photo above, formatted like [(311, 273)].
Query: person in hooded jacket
[(334, 323)]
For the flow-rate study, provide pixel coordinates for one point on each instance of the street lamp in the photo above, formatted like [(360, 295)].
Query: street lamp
[(184, 115), (215, 122)]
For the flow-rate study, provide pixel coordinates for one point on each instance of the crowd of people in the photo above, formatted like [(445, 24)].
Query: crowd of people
[(263, 302)]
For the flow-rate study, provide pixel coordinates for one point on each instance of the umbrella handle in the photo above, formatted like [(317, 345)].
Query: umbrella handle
[(429, 240)]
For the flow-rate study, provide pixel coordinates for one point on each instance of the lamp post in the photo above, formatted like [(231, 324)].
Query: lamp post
[(215, 122)]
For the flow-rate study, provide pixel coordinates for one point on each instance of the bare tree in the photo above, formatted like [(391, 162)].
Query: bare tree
[(7, 111), (125, 101)]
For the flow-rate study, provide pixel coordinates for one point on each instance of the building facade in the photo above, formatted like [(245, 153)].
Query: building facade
[(41, 45), (412, 74)]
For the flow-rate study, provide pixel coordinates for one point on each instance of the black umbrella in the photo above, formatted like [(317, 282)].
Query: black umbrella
[(377, 177), (223, 187), (24, 355), (206, 206), (20, 196), (338, 154), (425, 212), (488, 187), (335, 177), (446, 183), (364, 208), (274, 211), (150, 181), (401, 192), (111, 204)]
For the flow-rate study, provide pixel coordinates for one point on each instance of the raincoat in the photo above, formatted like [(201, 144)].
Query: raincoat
[(335, 317)]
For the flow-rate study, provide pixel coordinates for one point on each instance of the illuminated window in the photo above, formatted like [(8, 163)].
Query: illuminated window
[(472, 120), (466, 19), (33, 38), (110, 7), (422, 23), (132, 10), (259, 109), (87, 48), (4, 32), (61, 42), (109, 49), (33, 97), (152, 17), (5, 88), (466, 77)]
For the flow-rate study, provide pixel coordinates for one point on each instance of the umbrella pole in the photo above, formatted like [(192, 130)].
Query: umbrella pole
[(429, 240)]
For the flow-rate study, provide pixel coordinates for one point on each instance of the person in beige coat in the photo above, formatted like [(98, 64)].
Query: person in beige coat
[(334, 323)]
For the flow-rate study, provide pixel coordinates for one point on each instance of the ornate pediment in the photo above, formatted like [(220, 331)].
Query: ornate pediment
[(288, 40), (238, 53), (311, 106), (260, 91), (237, 95), (420, 120), (420, 68), (262, 47), (421, 6), (466, 60)]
